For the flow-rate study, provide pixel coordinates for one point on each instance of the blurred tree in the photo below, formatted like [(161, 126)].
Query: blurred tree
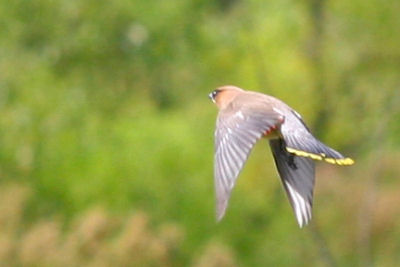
[(316, 53)]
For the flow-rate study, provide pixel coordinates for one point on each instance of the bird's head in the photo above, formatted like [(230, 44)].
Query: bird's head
[(223, 95)]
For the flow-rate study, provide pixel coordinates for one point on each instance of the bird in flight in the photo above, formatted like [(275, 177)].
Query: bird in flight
[(245, 117)]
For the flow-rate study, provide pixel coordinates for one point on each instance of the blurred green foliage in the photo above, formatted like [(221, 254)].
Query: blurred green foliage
[(104, 104)]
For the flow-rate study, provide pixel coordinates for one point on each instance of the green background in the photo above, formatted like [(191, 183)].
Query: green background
[(106, 131)]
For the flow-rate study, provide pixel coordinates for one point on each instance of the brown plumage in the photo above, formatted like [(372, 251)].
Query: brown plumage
[(244, 117)]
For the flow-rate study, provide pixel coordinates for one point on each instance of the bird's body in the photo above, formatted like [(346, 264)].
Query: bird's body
[(244, 118)]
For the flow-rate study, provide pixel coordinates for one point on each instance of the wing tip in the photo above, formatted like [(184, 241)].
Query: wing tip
[(303, 221), (301, 207), (220, 211)]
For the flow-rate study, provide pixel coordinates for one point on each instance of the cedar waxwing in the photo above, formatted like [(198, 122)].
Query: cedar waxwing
[(243, 118)]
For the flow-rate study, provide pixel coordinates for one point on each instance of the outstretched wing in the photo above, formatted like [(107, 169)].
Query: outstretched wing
[(297, 175), (236, 133), (301, 142)]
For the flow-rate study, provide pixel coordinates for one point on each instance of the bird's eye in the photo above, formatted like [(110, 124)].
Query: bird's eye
[(213, 94)]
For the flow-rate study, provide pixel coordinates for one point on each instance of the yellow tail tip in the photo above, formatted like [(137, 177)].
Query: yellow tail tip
[(345, 161), (322, 156)]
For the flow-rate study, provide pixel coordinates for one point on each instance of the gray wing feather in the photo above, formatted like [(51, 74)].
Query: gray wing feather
[(235, 135), (297, 175)]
